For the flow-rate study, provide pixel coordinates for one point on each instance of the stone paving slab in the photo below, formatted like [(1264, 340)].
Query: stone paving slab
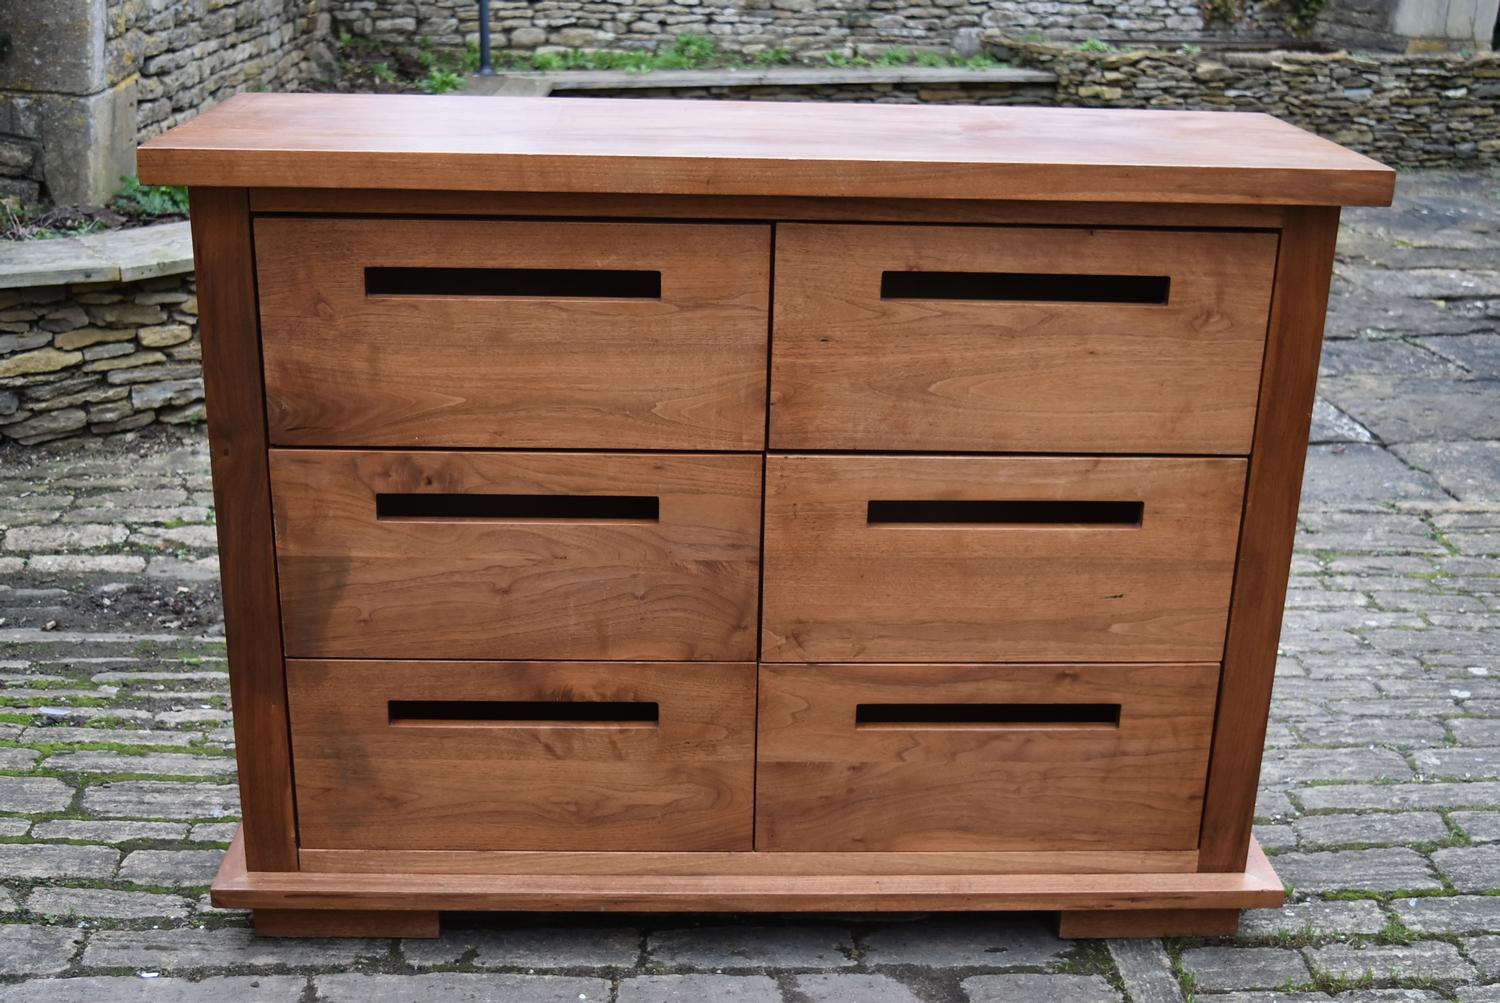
[(1380, 800)]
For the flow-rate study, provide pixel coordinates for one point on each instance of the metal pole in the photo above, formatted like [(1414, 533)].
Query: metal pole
[(486, 68)]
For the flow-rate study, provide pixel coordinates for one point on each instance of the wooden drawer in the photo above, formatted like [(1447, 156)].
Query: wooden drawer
[(433, 554), (960, 559), (523, 756), (992, 339), (982, 757), (460, 333)]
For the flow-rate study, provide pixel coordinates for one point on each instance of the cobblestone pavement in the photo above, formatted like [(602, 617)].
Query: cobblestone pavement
[(1381, 796)]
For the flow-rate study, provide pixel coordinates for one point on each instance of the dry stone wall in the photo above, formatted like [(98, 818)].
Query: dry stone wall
[(194, 54), (869, 93), (802, 26), (98, 357), (1410, 110)]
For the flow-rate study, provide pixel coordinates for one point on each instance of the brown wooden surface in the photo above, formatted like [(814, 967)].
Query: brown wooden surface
[(758, 148), (851, 370), (825, 783), (761, 208), (1273, 489), (345, 923), (839, 589), (783, 863), (683, 783), (1112, 923), (234, 887), (685, 371), (356, 586), (223, 259)]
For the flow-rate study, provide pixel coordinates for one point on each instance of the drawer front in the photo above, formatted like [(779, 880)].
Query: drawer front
[(523, 756), (990, 339), (562, 335), (433, 554), (962, 559), (982, 757)]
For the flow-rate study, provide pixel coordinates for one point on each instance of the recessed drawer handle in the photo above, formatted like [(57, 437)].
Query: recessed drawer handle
[(441, 507), (1030, 287), (523, 714), (548, 283), (1031, 514), (1018, 716)]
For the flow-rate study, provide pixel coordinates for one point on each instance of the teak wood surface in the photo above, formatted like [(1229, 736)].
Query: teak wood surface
[(825, 783), (853, 371), (1288, 385), (681, 783), (411, 637), (782, 862), (353, 585), (838, 588), (1254, 887), (685, 370), (586, 145), (223, 260), (762, 208)]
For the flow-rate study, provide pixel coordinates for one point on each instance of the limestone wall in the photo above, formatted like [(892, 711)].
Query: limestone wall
[(804, 26), (82, 81), (1410, 110), (98, 357), (193, 53)]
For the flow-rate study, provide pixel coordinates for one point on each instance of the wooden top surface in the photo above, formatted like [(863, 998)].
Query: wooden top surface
[(603, 145)]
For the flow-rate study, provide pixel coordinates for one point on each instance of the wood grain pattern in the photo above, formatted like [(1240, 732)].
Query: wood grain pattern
[(234, 887), (825, 783), (785, 863), (759, 148), (763, 208), (1102, 924), (851, 370), (223, 257), (683, 371), (839, 589), (1274, 488), (684, 783), (345, 923), (352, 585)]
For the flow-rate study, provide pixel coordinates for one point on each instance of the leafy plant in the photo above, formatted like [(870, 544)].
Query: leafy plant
[(689, 51), (1302, 15), (774, 57), (383, 73), (150, 200), (440, 80), (1095, 45)]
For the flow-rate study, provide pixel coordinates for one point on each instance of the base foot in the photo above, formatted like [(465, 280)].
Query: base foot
[(345, 923), (1122, 923)]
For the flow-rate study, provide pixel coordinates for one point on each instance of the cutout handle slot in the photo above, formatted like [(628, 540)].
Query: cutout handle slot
[(1029, 287), (1030, 514), (523, 714), (1018, 716), (437, 506), (543, 283)]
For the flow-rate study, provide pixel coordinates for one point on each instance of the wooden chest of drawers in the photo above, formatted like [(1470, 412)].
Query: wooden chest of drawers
[(676, 506)]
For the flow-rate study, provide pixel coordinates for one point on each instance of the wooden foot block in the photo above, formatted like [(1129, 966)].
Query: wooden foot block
[(1121, 923), (345, 923)]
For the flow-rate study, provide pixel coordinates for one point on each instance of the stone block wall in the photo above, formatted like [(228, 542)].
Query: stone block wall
[(866, 93), (190, 54), (82, 81), (802, 26), (1410, 110), (98, 357)]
